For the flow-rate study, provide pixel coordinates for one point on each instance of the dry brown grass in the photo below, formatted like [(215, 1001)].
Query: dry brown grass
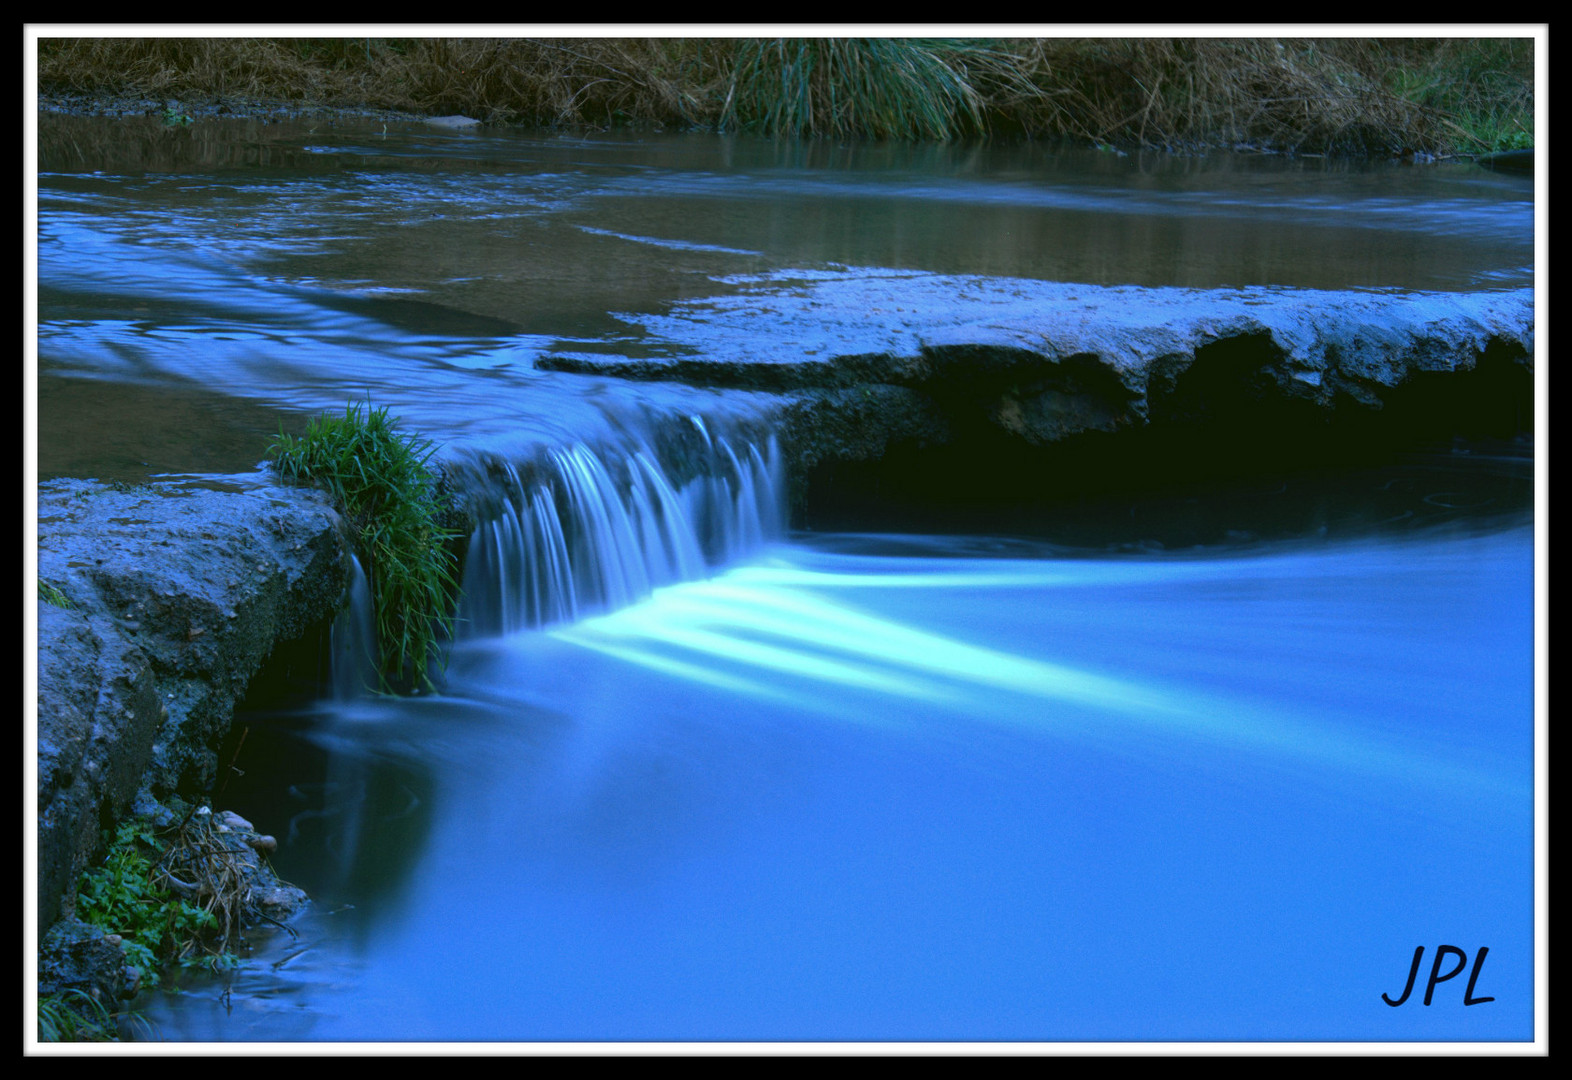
[(574, 82), (1307, 95), (1349, 95)]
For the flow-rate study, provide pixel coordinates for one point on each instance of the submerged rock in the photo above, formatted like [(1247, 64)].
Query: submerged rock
[(1513, 161)]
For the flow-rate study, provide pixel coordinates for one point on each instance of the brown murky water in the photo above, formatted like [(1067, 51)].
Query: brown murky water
[(291, 266)]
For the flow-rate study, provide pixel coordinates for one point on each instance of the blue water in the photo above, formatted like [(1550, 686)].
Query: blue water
[(844, 787), (430, 268), (869, 788)]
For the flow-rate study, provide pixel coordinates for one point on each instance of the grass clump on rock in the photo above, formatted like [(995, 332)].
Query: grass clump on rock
[(74, 1016), (383, 485), (50, 593)]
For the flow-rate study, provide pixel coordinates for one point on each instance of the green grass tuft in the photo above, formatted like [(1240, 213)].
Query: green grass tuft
[(74, 1016), (880, 87), (1482, 88), (381, 481), (50, 593)]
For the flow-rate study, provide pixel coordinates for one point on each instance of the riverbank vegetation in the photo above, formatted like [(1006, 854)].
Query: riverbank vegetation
[(1344, 95), (136, 893), (50, 593), (130, 893), (380, 480), (175, 889), (74, 1016)]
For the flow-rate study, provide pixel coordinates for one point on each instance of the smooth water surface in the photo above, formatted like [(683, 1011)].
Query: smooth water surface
[(886, 788)]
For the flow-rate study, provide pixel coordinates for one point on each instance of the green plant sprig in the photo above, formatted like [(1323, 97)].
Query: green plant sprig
[(74, 1016), (381, 480), (50, 593), (122, 895)]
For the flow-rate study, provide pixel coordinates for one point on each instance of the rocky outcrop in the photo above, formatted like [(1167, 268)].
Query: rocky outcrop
[(162, 602), (1043, 362), (75, 955)]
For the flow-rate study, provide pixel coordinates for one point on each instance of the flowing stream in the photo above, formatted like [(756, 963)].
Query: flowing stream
[(694, 774)]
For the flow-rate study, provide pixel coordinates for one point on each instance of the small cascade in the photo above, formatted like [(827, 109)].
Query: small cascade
[(584, 530), (354, 640)]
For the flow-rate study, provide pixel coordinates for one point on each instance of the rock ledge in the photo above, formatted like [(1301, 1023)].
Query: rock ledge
[(177, 592)]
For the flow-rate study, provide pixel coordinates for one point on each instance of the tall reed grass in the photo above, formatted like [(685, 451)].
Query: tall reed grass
[(878, 87), (1355, 95)]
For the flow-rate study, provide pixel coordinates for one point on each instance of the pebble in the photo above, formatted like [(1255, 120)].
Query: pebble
[(234, 821)]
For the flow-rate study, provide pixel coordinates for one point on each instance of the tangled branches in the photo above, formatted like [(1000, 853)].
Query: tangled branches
[(212, 865)]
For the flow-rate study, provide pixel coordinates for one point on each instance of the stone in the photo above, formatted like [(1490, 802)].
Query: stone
[(1043, 362), (75, 955), (143, 703)]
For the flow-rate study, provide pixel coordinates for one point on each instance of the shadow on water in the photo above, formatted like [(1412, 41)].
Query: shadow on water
[(1093, 497)]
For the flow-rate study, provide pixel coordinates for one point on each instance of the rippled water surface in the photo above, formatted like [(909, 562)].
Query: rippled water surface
[(296, 265), (1145, 771)]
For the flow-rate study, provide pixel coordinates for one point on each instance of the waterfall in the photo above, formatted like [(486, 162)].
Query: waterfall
[(582, 530), (354, 640)]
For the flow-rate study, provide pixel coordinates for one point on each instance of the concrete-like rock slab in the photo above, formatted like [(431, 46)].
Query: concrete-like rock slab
[(177, 594), (829, 328), (1048, 360)]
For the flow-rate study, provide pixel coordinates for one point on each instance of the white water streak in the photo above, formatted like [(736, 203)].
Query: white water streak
[(354, 640), (765, 631), (598, 533)]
